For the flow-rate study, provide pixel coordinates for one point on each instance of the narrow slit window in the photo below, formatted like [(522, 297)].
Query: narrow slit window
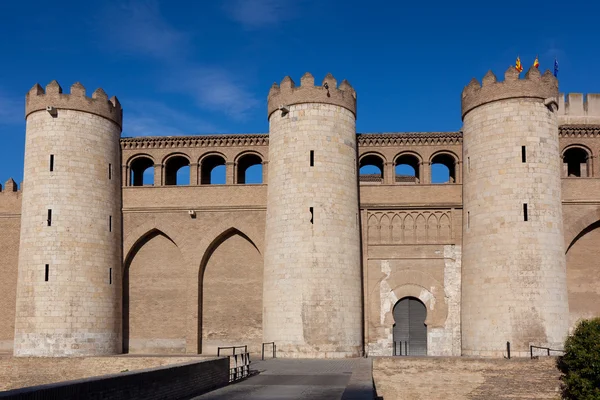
[(110, 223), (524, 211), (468, 219), (312, 158), (47, 273), (469, 164), (49, 217), (109, 171), (51, 162), (311, 215), (523, 154), (110, 276)]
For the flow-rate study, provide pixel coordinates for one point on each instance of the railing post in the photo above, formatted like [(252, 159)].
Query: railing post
[(548, 351), (405, 347), (531, 351), (262, 357), (508, 349)]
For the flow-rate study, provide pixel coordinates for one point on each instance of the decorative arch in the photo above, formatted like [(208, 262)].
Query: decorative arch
[(137, 165), (245, 161), (139, 235), (173, 163), (371, 167), (447, 159), (218, 322), (403, 162), (413, 283), (144, 341), (576, 161), (587, 223), (207, 163)]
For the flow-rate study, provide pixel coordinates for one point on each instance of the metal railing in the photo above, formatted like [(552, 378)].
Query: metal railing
[(395, 353), (245, 347), (274, 349), (548, 350), (239, 361)]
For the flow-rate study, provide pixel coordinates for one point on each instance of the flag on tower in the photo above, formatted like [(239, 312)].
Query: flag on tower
[(518, 66), (555, 68), (536, 63)]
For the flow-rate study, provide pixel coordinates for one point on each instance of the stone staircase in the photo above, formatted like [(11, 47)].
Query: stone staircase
[(415, 378)]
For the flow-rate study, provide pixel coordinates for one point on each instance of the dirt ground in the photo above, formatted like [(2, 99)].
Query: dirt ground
[(18, 372)]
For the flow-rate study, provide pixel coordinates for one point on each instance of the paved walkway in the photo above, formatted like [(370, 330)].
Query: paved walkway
[(283, 379)]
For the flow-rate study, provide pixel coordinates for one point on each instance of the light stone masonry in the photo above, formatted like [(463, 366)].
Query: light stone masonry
[(77, 309)]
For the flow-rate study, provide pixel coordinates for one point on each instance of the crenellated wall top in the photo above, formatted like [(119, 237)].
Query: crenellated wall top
[(534, 85), (38, 99), (287, 93), (578, 108)]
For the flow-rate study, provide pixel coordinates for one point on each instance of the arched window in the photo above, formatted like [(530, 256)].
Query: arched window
[(141, 171), (575, 163), (410, 331), (443, 169), (177, 171), (406, 169), (249, 169), (371, 169), (212, 170)]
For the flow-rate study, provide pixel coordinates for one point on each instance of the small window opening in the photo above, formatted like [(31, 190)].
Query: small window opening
[(109, 171), (110, 276), (51, 162), (524, 211), (311, 215), (469, 163), (47, 272), (523, 154), (468, 219), (49, 217), (312, 158), (110, 223)]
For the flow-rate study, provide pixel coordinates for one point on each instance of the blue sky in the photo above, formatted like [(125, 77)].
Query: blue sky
[(205, 67)]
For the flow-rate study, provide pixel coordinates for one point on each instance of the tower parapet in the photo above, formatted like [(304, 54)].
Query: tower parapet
[(38, 99), (312, 271), (69, 289), (329, 93), (579, 110), (514, 286), (534, 85)]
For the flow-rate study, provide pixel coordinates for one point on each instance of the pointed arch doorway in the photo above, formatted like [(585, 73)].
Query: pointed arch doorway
[(410, 331)]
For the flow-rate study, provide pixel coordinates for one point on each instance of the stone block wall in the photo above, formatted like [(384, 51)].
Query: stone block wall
[(71, 168), (312, 277)]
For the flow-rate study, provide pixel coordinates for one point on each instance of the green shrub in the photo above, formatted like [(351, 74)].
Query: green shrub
[(580, 364)]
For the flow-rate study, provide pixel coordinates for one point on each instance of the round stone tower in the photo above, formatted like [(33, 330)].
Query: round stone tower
[(312, 282), (69, 281), (514, 286)]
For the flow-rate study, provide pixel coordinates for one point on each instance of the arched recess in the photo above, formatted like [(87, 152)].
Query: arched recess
[(154, 297), (141, 170), (212, 169), (576, 162), (371, 167), (444, 167), (177, 170), (249, 168), (583, 274), (230, 293), (410, 330), (406, 168)]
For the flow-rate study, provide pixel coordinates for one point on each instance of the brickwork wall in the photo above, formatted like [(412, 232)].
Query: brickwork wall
[(10, 224), (78, 310), (514, 274), (312, 277), (155, 303), (232, 294), (168, 284)]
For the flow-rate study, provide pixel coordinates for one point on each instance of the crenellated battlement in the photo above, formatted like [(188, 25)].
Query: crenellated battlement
[(52, 98), (579, 109), (534, 85), (10, 186), (287, 93)]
